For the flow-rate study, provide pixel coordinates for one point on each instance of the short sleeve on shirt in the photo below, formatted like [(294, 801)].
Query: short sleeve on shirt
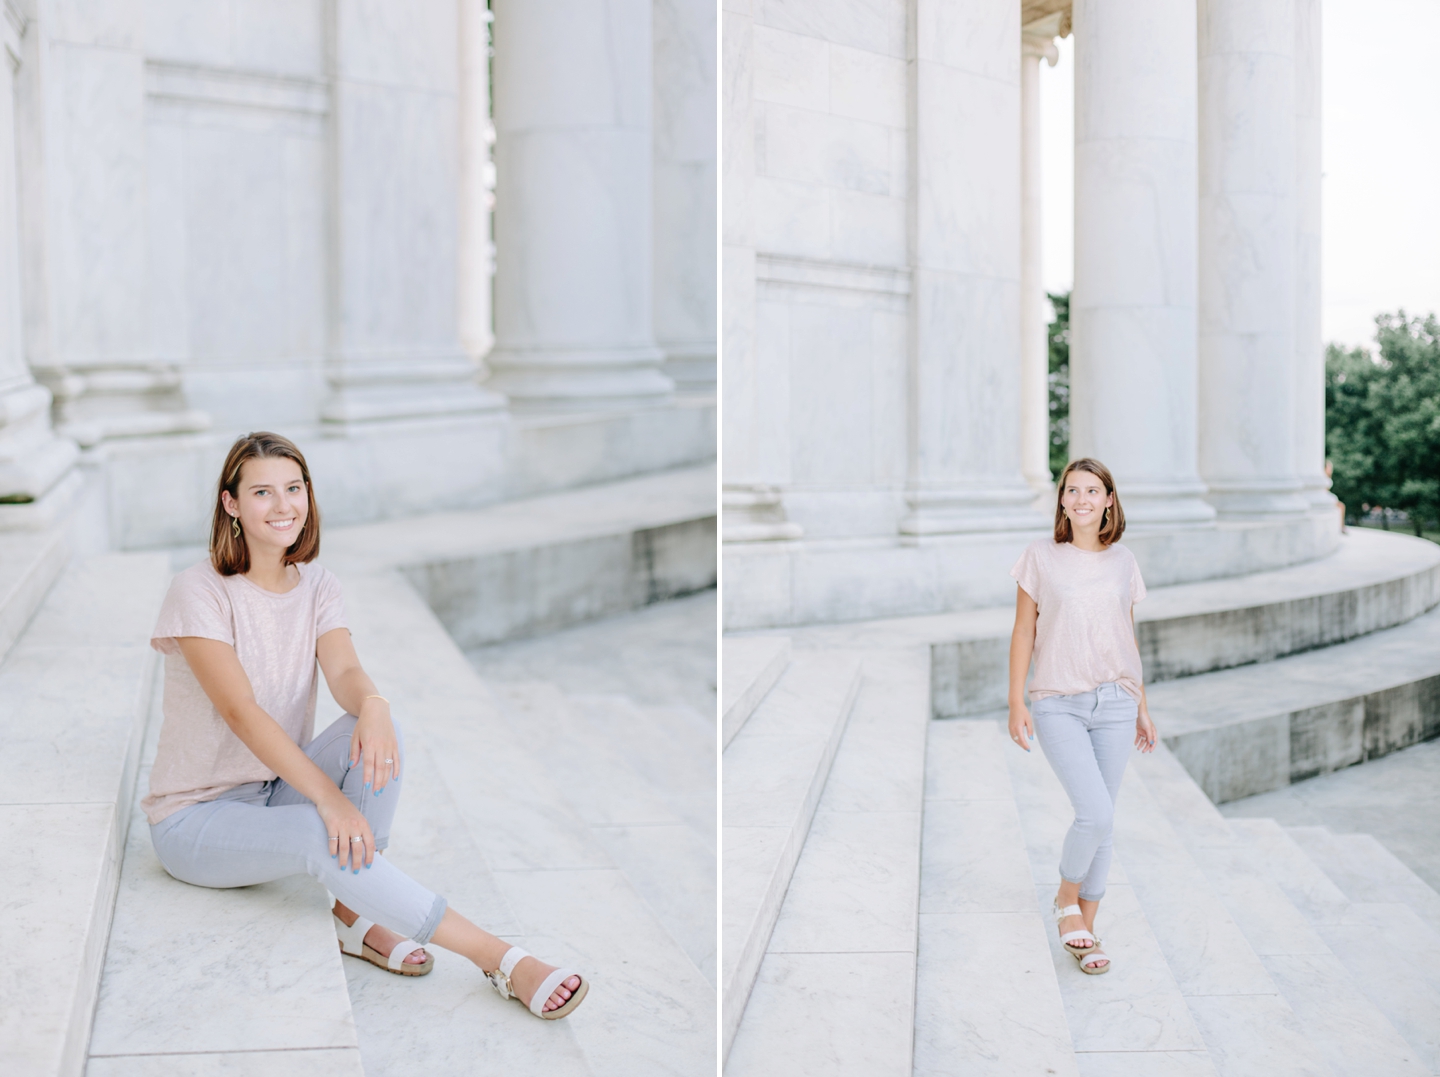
[(1027, 572), (195, 605), (1137, 584), (329, 603)]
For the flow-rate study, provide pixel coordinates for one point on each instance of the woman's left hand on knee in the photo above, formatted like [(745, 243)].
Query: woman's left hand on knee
[(374, 743)]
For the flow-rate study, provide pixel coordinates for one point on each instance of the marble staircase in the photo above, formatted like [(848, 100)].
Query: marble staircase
[(1241, 948), (124, 971)]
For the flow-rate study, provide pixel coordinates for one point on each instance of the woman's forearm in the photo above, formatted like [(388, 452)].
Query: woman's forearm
[(1022, 647), (351, 688), (273, 747)]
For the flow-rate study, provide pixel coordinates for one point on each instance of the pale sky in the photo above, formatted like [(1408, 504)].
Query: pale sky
[(1381, 187)]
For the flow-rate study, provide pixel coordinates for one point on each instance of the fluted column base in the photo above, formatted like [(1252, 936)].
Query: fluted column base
[(581, 379), (960, 510), (755, 514)]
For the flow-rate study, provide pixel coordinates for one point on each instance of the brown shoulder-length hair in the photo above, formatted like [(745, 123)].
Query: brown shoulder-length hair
[(1113, 525), (228, 552)]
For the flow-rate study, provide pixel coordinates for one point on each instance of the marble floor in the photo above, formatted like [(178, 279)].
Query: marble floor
[(660, 654), (1396, 799)]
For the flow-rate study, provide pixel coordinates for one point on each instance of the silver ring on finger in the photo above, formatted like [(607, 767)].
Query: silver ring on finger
[(389, 761), (353, 840)]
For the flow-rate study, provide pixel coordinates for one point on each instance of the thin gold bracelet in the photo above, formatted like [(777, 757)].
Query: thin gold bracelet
[(375, 697)]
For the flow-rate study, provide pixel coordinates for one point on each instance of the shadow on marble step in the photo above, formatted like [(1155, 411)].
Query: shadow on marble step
[(1257, 728), (521, 568), (774, 772), (336, 1062), (1372, 583), (752, 666)]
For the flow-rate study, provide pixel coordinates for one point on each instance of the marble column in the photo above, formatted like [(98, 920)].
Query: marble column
[(1247, 257), (82, 142), (476, 265), (685, 191), (1036, 43), (573, 226), (394, 346), (964, 247), (751, 496), (1309, 343), (1133, 310), (33, 460)]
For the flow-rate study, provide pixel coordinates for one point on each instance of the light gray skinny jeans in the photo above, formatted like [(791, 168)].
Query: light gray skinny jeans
[(262, 831), (1087, 739)]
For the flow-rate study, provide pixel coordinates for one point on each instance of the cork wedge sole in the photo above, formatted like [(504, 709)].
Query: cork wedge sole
[(352, 942)]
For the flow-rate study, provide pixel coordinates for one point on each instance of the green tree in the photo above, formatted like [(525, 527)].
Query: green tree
[(1382, 419), (1354, 435), (1059, 384), (1409, 408)]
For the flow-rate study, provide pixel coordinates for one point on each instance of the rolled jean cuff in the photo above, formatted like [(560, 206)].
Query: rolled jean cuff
[(1067, 878), (437, 913), (1091, 897)]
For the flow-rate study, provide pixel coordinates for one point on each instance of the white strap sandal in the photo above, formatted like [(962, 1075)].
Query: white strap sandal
[(500, 980), (352, 942), (1081, 954)]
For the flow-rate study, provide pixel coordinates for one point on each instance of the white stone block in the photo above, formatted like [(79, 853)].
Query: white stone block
[(832, 151), (866, 85), (792, 217), (878, 25), (868, 229), (791, 69), (410, 45)]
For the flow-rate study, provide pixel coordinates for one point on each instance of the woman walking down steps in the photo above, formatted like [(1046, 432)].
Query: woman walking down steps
[(1075, 613), (242, 793)]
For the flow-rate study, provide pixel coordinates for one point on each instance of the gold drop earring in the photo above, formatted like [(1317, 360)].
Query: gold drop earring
[(235, 526)]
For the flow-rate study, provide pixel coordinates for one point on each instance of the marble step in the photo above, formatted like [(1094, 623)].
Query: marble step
[(30, 563), (1229, 930), (1260, 727), (229, 981), (486, 823), (774, 771), (848, 919), (643, 781), (752, 666), (1134, 1018), (1373, 581), (1386, 950), (987, 994), (75, 689), (529, 566)]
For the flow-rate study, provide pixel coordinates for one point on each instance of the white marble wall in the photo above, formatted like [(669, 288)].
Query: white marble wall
[(236, 110), (394, 349), (1247, 256), (685, 190), (827, 219), (573, 217)]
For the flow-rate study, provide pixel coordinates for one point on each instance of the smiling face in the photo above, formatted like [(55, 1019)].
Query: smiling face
[(1085, 500), (271, 502)]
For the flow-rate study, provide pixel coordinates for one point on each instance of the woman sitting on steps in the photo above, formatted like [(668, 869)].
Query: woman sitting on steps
[(1075, 612), (240, 793)]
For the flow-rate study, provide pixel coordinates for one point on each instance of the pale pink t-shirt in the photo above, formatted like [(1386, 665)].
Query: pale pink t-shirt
[(274, 635), (1083, 637)]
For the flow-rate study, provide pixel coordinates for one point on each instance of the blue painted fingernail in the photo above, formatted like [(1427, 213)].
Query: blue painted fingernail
[(357, 871), (367, 785)]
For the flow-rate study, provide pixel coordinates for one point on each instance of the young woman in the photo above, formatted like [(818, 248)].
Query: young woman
[(1075, 613), (240, 793)]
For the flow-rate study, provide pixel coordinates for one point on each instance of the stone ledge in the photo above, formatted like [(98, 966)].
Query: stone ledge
[(774, 772), (75, 691), (1256, 728), (752, 666)]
